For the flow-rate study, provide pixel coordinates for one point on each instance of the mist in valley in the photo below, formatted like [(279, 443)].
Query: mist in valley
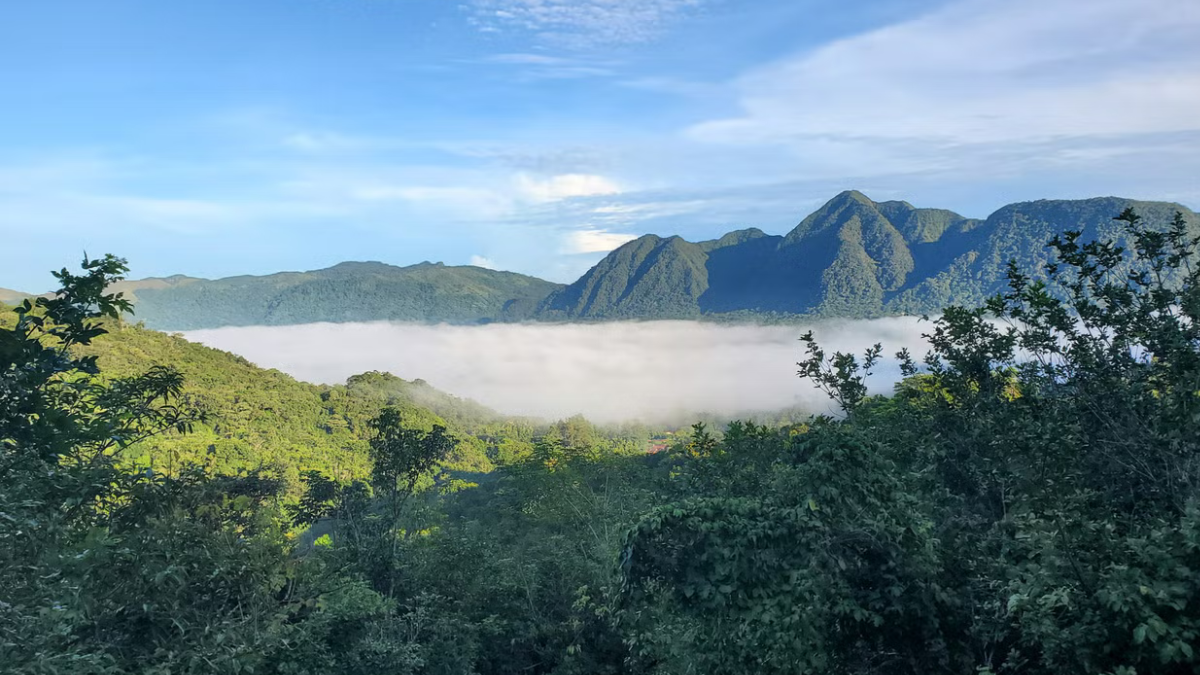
[(650, 371)]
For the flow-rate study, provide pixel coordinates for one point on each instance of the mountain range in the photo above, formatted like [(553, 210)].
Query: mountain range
[(350, 291), (11, 297), (853, 257)]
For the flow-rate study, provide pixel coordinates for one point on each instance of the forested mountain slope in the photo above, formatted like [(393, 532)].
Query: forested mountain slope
[(648, 277), (1018, 232), (265, 418), (853, 257), (352, 291), (1025, 502)]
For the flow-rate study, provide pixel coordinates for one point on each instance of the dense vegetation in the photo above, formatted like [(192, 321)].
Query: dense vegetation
[(366, 291), (1025, 503), (253, 418), (853, 257)]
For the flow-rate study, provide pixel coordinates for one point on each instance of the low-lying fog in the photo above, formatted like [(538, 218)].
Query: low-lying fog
[(609, 372)]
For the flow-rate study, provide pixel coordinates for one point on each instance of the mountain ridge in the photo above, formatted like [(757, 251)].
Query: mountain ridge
[(11, 297), (852, 258), (856, 258), (346, 292)]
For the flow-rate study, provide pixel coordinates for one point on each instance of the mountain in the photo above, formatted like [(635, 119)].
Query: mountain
[(1018, 232), (12, 297), (259, 417), (352, 291), (853, 257), (650, 276)]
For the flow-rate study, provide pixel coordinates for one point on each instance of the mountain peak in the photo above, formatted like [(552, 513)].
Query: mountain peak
[(852, 195), (659, 276), (847, 205), (359, 265), (852, 257)]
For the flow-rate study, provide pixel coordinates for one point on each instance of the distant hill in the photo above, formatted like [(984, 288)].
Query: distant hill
[(353, 291), (853, 257), (12, 297)]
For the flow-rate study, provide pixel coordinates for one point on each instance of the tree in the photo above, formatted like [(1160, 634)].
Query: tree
[(108, 569), (403, 455), (1025, 503)]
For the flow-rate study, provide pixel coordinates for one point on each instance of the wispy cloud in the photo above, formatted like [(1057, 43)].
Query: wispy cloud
[(539, 159), (594, 241), (565, 186), (581, 22), (486, 263), (982, 71), (543, 66)]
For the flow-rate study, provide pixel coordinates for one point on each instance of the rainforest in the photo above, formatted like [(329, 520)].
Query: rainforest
[(1023, 500), (600, 337)]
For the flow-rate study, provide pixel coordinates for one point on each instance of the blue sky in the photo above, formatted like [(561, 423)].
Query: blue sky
[(221, 137)]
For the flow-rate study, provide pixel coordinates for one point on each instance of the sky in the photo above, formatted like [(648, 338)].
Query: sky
[(223, 137)]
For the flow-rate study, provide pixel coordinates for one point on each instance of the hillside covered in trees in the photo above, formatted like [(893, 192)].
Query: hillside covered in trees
[(352, 291), (852, 258), (252, 419), (1024, 502)]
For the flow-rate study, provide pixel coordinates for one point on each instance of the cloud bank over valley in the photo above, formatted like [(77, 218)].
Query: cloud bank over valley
[(652, 371)]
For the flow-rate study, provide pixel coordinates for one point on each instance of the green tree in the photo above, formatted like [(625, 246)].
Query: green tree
[(1025, 503), (112, 570)]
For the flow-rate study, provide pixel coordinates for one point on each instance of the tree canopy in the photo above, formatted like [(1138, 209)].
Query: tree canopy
[(1024, 502)]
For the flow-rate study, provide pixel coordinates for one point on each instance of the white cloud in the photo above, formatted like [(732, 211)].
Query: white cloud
[(480, 261), (594, 241), (633, 212), (983, 71), (649, 370), (565, 186), (581, 22)]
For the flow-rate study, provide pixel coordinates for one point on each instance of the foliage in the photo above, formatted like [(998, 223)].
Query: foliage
[(1025, 502), (853, 257), (347, 292), (650, 277), (109, 570)]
